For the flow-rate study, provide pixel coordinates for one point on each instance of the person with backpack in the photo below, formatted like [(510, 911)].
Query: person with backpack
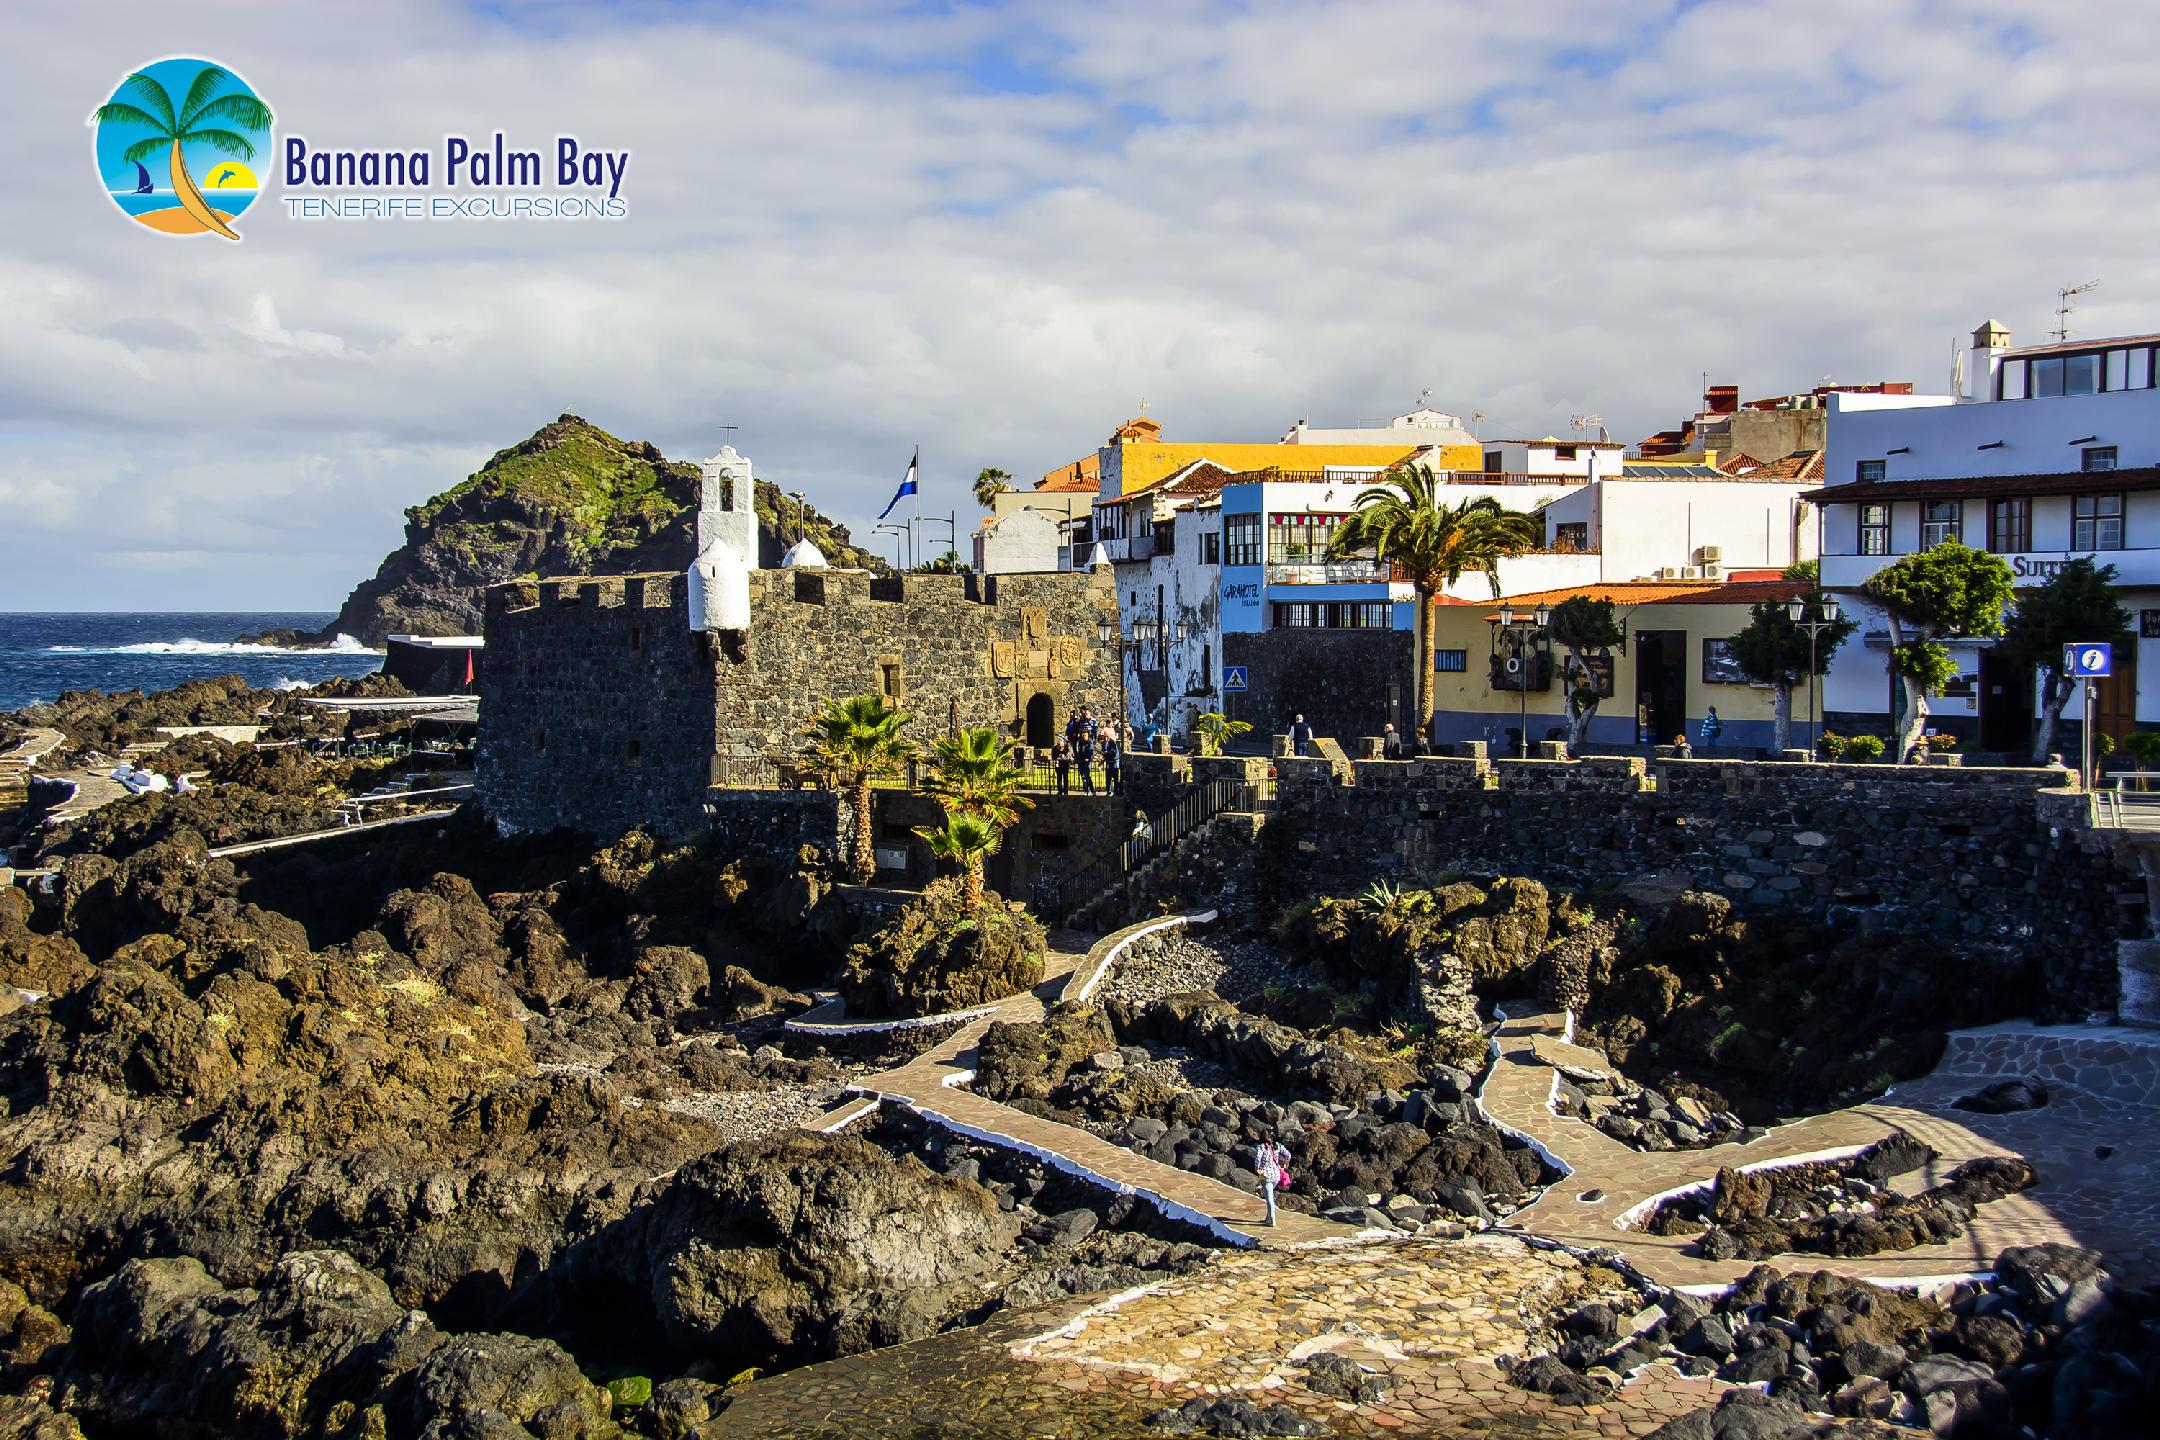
[(1272, 1163), (1712, 727)]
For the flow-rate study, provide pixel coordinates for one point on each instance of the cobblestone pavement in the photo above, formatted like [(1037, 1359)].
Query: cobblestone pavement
[(2081, 1199), (1437, 1317)]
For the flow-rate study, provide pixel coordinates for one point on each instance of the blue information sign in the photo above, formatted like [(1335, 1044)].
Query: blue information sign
[(1233, 679), (2090, 661)]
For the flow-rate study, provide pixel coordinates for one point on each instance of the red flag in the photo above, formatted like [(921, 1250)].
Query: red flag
[(468, 666)]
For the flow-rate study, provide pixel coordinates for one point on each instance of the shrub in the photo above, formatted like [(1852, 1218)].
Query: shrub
[(1863, 749), (1944, 741), (2144, 747), (1831, 747), (935, 956)]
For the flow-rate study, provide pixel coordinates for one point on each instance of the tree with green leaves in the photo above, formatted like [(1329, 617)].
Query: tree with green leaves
[(204, 117), (857, 742), (1585, 628), (1404, 522), (990, 483), (1773, 650), (2076, 604), (1808, 570), (1929, 596), (1214, 730), (967, 841), (972, 773)]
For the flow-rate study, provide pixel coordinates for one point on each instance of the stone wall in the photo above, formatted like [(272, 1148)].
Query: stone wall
[(1061, 838), (596, 709), (1347, 682), (600, 709), (952, 649), (1958, 853), (779, 823)]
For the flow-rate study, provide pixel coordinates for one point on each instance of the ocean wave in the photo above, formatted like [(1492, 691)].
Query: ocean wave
[(287, 682), (343, 645)]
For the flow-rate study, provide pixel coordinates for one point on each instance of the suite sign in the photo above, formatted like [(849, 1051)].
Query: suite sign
[(2130, 565)]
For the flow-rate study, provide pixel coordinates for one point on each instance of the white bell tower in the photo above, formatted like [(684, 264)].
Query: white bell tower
[(727, 543)]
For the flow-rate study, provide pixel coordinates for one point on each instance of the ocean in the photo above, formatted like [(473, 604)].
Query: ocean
[(44, 654)]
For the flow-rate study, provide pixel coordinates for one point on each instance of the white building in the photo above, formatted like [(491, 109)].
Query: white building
[(1423, 426), (1020, 540), (2050, 452)]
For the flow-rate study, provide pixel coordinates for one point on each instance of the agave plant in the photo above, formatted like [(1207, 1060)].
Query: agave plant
[(194, 121)]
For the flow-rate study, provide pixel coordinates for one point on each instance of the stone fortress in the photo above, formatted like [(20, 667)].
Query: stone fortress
[(617, 701)]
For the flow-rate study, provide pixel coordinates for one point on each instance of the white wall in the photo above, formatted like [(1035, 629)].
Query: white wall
[(1942, 438), (1018, 543), (1641, 526), (1190, 591)]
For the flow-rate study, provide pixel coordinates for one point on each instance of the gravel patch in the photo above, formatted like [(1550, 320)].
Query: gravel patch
[(741, 1115), (1173, 963)]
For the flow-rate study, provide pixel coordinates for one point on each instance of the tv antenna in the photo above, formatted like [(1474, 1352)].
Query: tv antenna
[(1477, 417), (1586, 422), (2063, 307)]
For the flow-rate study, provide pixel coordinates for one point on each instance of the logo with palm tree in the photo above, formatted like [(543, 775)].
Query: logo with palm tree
[(150, 148)]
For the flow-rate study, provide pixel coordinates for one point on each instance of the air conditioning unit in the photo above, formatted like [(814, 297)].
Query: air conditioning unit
[(1668, 572), (1713, 572), (1691, 572), (1709, 554)]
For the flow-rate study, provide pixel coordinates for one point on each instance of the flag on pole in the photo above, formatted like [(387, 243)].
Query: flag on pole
[(907, 486)]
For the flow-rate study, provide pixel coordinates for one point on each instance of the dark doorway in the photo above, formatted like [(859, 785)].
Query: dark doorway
[(1041, 721), (1661, 674), (2006, 710)]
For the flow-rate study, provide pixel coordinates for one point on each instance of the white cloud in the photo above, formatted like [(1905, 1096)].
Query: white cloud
[(847, 238)]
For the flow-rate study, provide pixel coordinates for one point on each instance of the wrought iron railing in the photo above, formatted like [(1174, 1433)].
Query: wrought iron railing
[(1152, 836)]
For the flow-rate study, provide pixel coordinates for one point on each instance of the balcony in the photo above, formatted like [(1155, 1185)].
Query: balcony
[(2027, 568), (1326, 572)]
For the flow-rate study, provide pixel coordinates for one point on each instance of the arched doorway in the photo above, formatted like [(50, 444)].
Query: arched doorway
[(1041, 721)]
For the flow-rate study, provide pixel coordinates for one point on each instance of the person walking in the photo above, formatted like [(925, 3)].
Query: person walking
[(1112, 752), (1271, 1162), (1084, 758), (1390, 744), (1300, 735), (1061, 761), (1712, 727)]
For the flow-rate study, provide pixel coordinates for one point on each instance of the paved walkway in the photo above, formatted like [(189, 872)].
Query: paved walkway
[(1440, 1317), (931, 1084), (2081, 1199)]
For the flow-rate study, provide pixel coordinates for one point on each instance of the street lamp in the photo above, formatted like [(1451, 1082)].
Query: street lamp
[(1825, 608), (901, 536), (1523, 631), (1110, 632)]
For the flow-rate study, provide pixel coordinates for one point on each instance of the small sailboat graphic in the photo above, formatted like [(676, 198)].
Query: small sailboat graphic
[(142, 179)]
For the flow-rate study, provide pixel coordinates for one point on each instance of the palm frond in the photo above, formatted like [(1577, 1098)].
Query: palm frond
[(119, 112), (153, 97), (208, 81), (243, 110), (224, 140), (143, 149)]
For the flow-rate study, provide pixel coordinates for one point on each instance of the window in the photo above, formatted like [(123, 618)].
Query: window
[(1452, 662), (1211, 547), (2099, 457), (539, 742), (1241, 539), (1492, 462), (1874, 529), (1331, 615), (889, 679), (1870, 469), (2010, 526), (1563, 452), (637, 639), (1572, 537), (2081, 374), (2010, 381), (1939, 522), (2097, 523), (2047, 377), (634, 753), (1300, 539)]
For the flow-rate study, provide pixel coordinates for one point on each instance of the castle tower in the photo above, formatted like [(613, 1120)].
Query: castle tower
[(727, 543)]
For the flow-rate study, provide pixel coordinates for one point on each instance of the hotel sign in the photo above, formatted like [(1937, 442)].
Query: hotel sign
[(2044, 567)]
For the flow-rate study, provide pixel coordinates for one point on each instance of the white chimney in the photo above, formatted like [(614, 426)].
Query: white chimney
[(1988, 344)]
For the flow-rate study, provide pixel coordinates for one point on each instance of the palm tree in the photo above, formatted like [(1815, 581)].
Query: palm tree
[(1405, 523), (190, 123), (857, 741), (966, 840), (972, 773), (990, 484), (1214, 730)]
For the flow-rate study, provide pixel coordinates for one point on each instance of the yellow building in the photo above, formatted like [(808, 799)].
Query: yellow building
[(1137, 457), (1672, 668)]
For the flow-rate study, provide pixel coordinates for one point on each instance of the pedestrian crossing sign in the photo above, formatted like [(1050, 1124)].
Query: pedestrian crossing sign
[(1234, 679)]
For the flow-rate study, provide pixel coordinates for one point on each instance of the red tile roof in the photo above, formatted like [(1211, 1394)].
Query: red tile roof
[(1667, 592), (1981, 487)]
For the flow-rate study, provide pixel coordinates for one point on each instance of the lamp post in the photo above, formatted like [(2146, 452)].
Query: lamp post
[(1522, 632), (902, 535), (1110, 632), (1825, 609)]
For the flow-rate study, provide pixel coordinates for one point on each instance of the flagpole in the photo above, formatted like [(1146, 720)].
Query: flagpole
[(917, 518)]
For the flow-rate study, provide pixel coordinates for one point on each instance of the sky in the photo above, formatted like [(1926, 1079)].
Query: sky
[(991, 231)]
